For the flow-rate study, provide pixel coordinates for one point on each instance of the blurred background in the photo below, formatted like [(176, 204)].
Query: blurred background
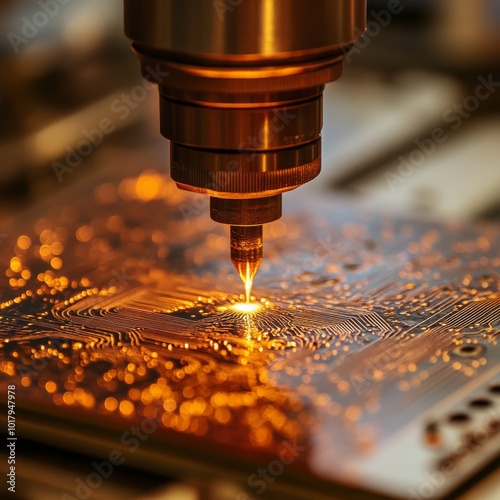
[(404, 129), (413, 127)]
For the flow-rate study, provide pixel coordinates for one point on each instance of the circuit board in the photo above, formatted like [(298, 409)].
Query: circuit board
[(370, 364)]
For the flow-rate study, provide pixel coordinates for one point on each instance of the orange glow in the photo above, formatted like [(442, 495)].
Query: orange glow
[(56, 263), (246, 308), (24, 242), (84, 233), (111, 404), (51, 387), (126, 408), (148, 185), (15, 264)]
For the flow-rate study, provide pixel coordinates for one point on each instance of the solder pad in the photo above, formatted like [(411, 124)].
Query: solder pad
[(373, 355)]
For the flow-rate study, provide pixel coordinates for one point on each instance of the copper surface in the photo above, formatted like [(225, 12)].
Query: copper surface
[(245, 212), (253, 32), (120, 309)]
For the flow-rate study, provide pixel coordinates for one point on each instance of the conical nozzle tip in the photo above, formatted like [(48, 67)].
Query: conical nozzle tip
[(246, 253), (247, 272)]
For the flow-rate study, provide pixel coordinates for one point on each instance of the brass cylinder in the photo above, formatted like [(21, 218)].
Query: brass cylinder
[(245, 212), (241, 83), (245, 31)]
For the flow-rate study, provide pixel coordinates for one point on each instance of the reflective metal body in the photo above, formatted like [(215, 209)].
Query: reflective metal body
[(242, 99)]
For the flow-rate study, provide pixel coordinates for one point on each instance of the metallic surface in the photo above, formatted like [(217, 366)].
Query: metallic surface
[(241, 90), (257, 31), (230, 175), (236, 125), (246, 212), (370, 363)]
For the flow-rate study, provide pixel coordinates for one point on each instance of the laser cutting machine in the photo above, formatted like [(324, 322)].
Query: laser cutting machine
[(368, 365), (241, 99)]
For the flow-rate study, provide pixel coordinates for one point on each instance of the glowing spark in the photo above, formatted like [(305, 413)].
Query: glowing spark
[(246, 308), (248, 288)]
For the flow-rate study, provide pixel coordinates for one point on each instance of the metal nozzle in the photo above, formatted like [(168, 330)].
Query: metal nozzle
[(246, 217), (241, 99), (246, 253)]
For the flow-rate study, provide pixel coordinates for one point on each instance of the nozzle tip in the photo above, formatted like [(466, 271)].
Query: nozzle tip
[(246, 253)]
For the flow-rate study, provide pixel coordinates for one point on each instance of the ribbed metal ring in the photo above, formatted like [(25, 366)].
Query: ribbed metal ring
[(250, 175)]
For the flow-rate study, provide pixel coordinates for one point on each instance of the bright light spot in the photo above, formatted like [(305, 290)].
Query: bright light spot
[(246, 308), (15, 264), (148, 185), (24, 242)]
